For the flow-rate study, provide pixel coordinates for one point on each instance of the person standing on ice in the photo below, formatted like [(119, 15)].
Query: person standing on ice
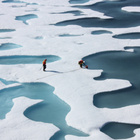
[(44, 64)]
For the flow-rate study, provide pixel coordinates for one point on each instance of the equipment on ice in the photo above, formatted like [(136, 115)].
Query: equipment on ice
[(82, 63)]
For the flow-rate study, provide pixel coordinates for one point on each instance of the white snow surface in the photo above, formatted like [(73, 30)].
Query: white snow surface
[(75, 86), (131, 9), (17, 126)]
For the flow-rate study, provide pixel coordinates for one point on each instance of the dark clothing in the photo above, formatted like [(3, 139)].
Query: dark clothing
[(81, 62), (44, 64), (80, 65), (44, 67)]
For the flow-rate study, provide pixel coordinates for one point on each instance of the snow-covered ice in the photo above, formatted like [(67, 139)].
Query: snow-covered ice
[(51, 28)]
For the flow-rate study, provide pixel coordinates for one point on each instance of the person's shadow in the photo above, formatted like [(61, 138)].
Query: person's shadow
[(53, 71)]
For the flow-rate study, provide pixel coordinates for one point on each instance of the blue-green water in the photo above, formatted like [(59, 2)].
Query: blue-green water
[(119, 130), (24, 18), (12, 1), (74, 12), (27, 59), (51, 110), (18, 2), (8, 46), (68, 35), (7, 82), (135, 35), (5, 37), (98, 32), (118, 17), (78, 1), (6, 30), (39, 37), (117, 65)]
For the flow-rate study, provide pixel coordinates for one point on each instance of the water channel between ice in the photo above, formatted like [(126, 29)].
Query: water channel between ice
[(117, 65), (27, 59), (119, 130), (8, 46), (51, 110)]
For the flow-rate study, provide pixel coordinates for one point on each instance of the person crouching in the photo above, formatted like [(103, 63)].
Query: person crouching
[(81, 62)]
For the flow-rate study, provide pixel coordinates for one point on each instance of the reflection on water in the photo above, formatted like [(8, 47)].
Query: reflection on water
[(119, 130), (117, 65)]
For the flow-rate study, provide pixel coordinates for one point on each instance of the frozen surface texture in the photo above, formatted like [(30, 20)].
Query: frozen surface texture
[(84, 104)]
